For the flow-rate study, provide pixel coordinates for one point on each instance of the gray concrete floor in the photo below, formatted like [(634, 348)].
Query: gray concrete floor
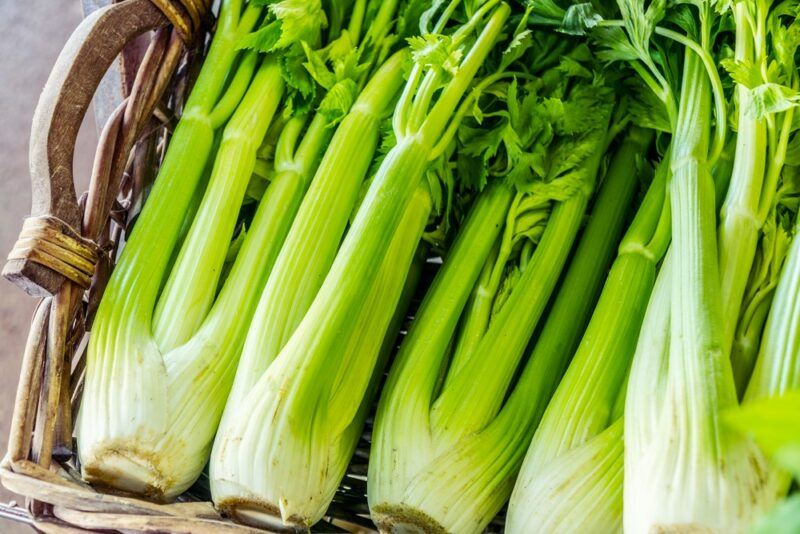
[(32, 33)]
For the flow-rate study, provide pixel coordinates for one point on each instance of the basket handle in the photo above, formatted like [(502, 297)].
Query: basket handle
[(51, 248)]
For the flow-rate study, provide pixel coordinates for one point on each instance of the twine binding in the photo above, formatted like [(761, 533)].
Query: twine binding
[(186, 16), (49, 241)]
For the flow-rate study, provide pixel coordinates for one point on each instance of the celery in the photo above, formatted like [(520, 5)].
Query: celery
[(314, 239), (763, 135), (305, 404), (445, 454), (681, 465), (160, 362), (583, 404), (778, 366)]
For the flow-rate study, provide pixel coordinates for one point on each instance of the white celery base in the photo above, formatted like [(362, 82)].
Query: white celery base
[(129, 469)]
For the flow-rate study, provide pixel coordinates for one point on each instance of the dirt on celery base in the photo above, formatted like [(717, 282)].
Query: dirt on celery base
[(260, 514), (400, 519), (127, 470)]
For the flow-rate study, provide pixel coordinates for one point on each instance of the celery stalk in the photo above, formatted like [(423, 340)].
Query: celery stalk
[(314, 240), (740, 221), (294, 487), (682, 465), (778, 366), (179, 313), (763, 136), (582, 407)]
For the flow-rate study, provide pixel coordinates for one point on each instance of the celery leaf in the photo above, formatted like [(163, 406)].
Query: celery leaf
[(337, 101), (290, 22), (436, 51)]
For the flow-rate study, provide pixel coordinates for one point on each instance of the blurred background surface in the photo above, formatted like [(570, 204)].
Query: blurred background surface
[(32, 33)]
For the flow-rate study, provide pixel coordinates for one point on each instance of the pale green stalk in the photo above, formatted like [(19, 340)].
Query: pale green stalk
[(647, 378), (753, 184), (774, 245), (584, 279), (683, 467), (294, 486), (579, 492), (533, 289), (415, 372), (317, 233), (314, 239), (778, 365), (483, 297), (179, 313), (695, 345), (739, 218), (777, 368), (582, 407)]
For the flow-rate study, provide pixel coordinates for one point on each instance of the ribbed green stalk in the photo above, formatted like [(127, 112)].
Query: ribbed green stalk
[(580, 492), (778, 365), (264, 482), (179, 312), (774, 246), (696, 331), (583, 404), (356, 372), (573, 306), (525, 210), (479, 310), (201, 371), (647, 378), (741, 217), (777, 368), (409, 390), (682, 465), (508, 333), (315, 237)]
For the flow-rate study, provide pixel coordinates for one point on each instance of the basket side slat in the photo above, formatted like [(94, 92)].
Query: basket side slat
[(22, 421), (126, 522), (58, 327)]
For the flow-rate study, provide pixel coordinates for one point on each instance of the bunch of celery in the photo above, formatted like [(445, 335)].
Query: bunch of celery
[(163, 349), (576, 455), (181, 345), (315, 235), (682, 466), (314, 348), (603, 359), (451, 426)]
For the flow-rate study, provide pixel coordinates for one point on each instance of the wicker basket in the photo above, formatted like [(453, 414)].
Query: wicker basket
[(65, 255)]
